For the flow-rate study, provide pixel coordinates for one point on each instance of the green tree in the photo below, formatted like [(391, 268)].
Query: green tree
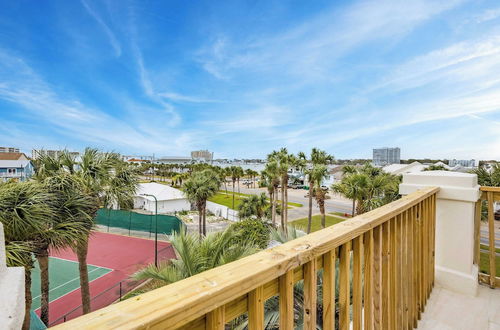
[(284, 161), (318, 158), (64, 229), (196, 255), (368, 187), (25, 208), (199, 188), (271, 179), (253, 206), (105, 179), (235, 172), (436, 168), (488, 176)]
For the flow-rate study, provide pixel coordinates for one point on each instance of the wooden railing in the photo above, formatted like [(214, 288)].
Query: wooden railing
[(489, 196), (390, 250)]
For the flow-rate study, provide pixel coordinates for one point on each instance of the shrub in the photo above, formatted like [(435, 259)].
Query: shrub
[(251, 231)]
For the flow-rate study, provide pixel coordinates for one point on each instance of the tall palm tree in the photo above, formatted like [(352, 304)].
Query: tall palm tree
[(106, 180), (318, 158), (199, 188), (25, 208), (271, 179), (284, 161), (253, 206), (235, 172), (317, 175), (196, 255), (64, 229)]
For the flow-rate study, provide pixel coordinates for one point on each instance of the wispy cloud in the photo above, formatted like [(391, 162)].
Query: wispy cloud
[(109, 33)]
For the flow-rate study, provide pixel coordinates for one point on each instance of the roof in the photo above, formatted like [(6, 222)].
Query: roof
[(12, 156), (136, 160), (13, 163), (404, 168), (160, 191)]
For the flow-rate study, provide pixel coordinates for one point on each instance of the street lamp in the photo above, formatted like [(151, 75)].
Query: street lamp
[(156, 227)]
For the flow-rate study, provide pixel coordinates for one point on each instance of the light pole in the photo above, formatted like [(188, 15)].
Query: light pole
[(156, 227)]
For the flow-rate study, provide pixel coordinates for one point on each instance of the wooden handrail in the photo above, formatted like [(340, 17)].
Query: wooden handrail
[(214, 297), (490, 195)]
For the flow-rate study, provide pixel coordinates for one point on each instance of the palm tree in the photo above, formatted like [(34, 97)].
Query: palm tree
[(25, 208), (368, 187), (106, 180), (196, 255), (253, 206), (64, 229), (270, 177), (284, 160), (318, 174), (236, 172), (488, 176), (318, 158), (199, 188)]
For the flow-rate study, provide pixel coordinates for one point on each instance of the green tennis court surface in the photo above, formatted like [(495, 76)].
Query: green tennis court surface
[(63, 277)]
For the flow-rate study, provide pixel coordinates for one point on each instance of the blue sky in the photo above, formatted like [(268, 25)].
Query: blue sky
[(242, 78)]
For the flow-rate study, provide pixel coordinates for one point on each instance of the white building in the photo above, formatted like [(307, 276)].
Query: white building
[(462, 162), (398, 169), (176, 160), (170, 200), (385, 156)]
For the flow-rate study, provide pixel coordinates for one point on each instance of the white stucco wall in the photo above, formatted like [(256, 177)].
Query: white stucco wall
[(170, 206), (11, 291), (222, 211), (455, 207)]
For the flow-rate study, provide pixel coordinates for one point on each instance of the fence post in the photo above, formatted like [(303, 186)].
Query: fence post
[(129, 221), (454, 237)]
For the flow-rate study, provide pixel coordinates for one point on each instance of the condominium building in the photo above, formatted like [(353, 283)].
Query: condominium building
[(9, 149), (385, 156), (462, 162), (37, 153), (202, 155)]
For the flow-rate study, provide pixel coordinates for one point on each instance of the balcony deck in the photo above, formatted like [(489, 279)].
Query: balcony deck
[(449, 310)]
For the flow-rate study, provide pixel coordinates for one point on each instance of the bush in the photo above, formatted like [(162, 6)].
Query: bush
[(252, 231)]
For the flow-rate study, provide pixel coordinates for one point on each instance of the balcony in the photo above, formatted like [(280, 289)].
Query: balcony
[(412, 263)]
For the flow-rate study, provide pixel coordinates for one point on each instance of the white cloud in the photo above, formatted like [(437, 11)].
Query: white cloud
[(111, 36)]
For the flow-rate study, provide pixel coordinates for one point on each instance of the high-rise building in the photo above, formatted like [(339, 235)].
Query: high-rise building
[(9, 149), (385, 156), (462, 162), (36, 153), (202, 155)]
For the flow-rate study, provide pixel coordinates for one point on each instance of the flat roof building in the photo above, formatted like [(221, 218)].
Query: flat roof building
[(385, 156)]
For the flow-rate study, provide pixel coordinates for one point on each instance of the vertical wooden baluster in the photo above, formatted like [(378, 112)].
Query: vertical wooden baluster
[(415, 265), (425, 249), (429, 248), (357, 289), (410, 260), (399, 272), (377, 278), (368, 281), (420, 263), (386, 275), (286, 300), (406, 279), (256, 309), (393, 276), (433, 237), (344, 286), (491, 232), (310, 295), (329, 290), (477, 231), (215, 319)]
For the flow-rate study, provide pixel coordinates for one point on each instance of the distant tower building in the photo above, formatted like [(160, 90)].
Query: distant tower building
[(37, 153), (202, 155), (462, 162), (9, 149), (385, 156)]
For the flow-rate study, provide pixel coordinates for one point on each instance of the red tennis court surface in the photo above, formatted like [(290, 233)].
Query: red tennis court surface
[(124, 255)]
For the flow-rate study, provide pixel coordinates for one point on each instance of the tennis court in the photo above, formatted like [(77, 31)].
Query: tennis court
[(63, 277), (112, 259)]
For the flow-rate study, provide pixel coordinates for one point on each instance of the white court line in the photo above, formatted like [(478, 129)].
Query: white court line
[(77, 262), (57, 287)]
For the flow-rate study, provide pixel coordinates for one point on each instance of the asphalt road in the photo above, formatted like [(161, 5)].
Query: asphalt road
[(335, 204)]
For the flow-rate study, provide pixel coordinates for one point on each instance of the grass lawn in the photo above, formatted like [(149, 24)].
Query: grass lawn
[(340, 214), (316, 222), (484, 261), (227, 200)]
